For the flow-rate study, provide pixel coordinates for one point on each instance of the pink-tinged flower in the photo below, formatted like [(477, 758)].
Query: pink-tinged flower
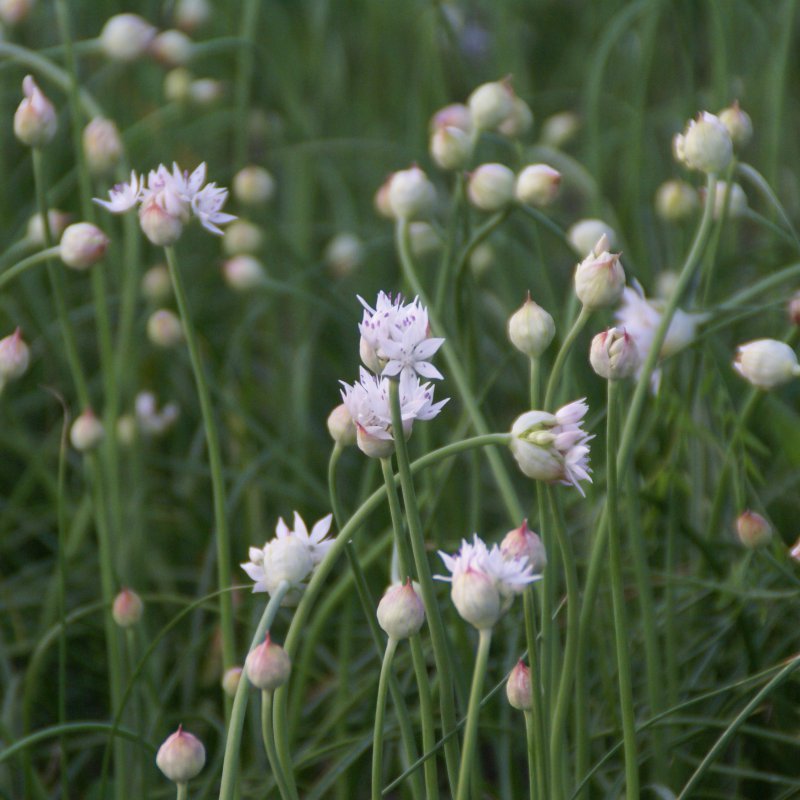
[(484, 581), (553, 447), (206, 205), (123, 196), (35, 120), (188, 185), (395, 338)]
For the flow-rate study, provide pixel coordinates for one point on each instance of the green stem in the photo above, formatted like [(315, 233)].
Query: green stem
[(471, 730), (441, 652), (183, 791), (31, 261), (234, 736), (618, 597), (380, 709), (534, 778), (215, 464), (534, 719), (568, 670), (269, 743), (561, 357), (244, 75)]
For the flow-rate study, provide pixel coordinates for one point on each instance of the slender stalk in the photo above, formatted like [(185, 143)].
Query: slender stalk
[(244, 75), (380, 709), (618, 597), (441, 652), (561, 357), (183, 791), (215, 464), (234, 735), (471, 730), (269, 743), (23, 266), (534, 782), (534, 719)]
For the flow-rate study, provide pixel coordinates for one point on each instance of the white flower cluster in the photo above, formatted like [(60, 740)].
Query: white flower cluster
[(553, 447), (484, 580), (396, 345), (290, 556), (167, 201)]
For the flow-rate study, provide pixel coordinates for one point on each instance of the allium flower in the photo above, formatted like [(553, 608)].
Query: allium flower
[(705, 145), (553, 447), (370, 409), (123, 196), (766, 363), (599, 278), (206, 205), (290, 557), (484, 581), (395, 338), (150, 420)]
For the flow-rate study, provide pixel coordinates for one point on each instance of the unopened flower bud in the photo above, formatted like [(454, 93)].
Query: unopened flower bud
[(518, 687), (341, 426), (794, 553), (86, 431), (191, 14), (14, 11), (178, 85), (156, 284), (705, 145), (423, 238), (675, 200), (558, 129), (159, 226), (400, 611), (57, 221), (531, 329), (450, 147), (381, 199), (344, 253), (35, 120), (738, 123), (490, 104), (172, 48), (82, 245), (456, 115), (268, 665), (14, 357), (794, 309), (523, 542), (491, 187), (243, 273), (181, 756), (518, 122), (766, 363), (253, 186), (599, 278), (164, 329), (537, 185), (126, 37), (736, 201), (242, 238), (583, 235), (411, 195), (373, 446), (102, 145), (614, 355), (476, 599), (127, 609), (205, 91), (126, 429), (753, 530), (230, 680), (481, 259)]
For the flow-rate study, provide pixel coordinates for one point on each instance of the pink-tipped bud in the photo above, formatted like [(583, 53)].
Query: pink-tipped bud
[(537, 185), (86, 432), (400, 611), (181, 756), (14, 357), (476, 599), (738, 123), (127, 609), (523, 542), (531, 329), (599, 278), (491, 104), (230, 680), (191, 14), (341, 426), (794, 552), (164, 329), (15, 11), (126, 37), (172, 48), (102, 145), (156, 284), (243, 273), (450, 147), (159, 226), (411, 195), (371, 445), (614, 355), (381, 199), (242, 238), (456, 115), (82, 245), (268, 665), (35, 120), (491, 187), (518, 687), (753, 530), (253, 186)]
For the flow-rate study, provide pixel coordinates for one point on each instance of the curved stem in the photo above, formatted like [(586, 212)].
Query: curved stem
[(234, 736), (268, 737), (215, 463), (471, 730), (31, 261), (618, 597), (563, 352), (441, 652), (380, 709)]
